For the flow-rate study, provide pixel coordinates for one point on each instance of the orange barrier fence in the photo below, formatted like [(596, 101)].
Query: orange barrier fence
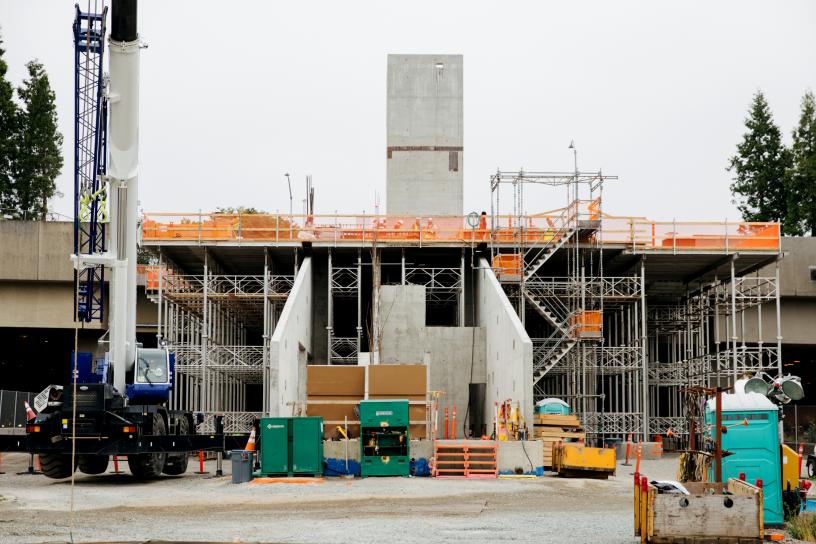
[(637, 233)]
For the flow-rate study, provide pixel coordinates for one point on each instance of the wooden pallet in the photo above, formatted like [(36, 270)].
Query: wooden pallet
[(465, 459), (552, 428)]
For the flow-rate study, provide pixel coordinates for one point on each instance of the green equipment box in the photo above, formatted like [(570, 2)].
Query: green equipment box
[(384, 439), (291, 446)]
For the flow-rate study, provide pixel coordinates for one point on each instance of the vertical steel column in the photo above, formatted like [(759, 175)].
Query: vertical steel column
[(778, 322), (205, 335), (643, 355), (462, 291), (402, 279), (267, 364), (329, 318), (734, 321), (375, 269)]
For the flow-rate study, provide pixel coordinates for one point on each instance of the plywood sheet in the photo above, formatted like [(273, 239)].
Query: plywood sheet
[(335, 380), (397, 380)]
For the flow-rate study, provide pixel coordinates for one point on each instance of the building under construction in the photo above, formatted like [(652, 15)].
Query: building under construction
[(612, 314)]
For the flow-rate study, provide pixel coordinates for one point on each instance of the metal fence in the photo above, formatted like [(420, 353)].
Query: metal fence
[(12, 410)]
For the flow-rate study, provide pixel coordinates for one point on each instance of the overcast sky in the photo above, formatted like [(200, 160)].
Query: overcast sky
[(235, 94)]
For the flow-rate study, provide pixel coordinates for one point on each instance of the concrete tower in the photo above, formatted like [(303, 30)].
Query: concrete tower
[(425, 135)]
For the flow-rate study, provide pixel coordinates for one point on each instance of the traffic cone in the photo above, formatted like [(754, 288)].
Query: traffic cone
[(29, 412), (250, 445)]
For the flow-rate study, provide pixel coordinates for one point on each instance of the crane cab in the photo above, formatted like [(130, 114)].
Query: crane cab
[(152, 376)]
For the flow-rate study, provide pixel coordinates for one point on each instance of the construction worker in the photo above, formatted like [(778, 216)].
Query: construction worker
[(483, 225), (431, 228)]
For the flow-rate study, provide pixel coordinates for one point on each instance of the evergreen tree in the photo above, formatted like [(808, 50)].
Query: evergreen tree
[(760, 167), (9, 118), (40, 154), (802, 178)]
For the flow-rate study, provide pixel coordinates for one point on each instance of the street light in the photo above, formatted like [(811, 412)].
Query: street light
[(575, 157), (289, 183)]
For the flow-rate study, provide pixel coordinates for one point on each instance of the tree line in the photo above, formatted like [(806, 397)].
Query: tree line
[(30, 144), (772, 181)]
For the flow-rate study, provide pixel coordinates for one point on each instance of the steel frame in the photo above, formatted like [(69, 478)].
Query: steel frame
[(205, 318)]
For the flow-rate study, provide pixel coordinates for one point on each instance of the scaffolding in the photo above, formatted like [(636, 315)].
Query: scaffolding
[(619, 363), (212, 321)]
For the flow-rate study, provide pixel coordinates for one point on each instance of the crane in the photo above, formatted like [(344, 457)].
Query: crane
[(116, 404)]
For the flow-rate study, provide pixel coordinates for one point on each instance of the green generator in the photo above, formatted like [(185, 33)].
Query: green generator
[(291, 446), (384, 437)]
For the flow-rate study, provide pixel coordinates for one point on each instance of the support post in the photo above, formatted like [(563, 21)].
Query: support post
[(643, 353), (778, 322), (462, 290), (329, 317), (205, 335), (733, 322)]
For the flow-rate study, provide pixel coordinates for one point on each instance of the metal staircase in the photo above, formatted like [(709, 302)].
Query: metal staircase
[(548, 352), (540, 255), (90, 136)]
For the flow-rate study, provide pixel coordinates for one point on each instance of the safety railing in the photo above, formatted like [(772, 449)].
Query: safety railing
[(639, 234)]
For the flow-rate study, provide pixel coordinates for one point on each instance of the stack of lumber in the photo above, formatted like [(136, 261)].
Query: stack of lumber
[(552, 428)]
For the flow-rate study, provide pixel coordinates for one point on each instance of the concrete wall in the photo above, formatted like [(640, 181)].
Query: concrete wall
[(798, 323), (794, 269), (290, 344), (36, 250), (454, 353), (425, 135), (509, 363), (524, 455)]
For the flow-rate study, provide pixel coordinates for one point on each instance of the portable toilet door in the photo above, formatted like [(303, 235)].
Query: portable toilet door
[(756, 453)]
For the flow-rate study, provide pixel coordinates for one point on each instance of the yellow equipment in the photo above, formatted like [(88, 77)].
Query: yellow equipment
[(572, 459), (790, 468)]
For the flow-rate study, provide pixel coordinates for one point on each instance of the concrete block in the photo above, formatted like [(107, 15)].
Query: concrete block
[(526, 455)]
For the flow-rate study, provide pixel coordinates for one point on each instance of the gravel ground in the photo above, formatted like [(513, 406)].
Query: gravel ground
[(406, 510)]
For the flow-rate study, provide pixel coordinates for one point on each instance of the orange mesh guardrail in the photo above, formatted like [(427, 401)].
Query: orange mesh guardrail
[(634, 232)]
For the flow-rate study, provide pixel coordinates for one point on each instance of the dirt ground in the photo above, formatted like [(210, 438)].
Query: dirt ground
[(114, 508)]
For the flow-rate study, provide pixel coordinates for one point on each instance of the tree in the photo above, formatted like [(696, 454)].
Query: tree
[(40, 158), (9, 119), (760, 168), (239, 210), (802, 176)]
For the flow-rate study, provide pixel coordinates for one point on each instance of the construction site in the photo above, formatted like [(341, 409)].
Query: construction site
[(291, 353)]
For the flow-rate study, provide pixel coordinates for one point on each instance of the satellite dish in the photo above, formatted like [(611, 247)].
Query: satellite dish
[(757, 385), (792, 387)]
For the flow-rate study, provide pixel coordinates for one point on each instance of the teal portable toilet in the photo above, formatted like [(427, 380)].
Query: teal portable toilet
[(552, 406), (755, 447)]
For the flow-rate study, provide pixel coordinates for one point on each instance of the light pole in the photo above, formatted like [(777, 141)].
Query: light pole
[(289, 183), (575, 158)]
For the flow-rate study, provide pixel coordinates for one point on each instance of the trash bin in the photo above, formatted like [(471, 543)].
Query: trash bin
[(242, 462)]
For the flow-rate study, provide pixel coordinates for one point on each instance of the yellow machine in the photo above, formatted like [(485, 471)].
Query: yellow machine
[(573, 459), (790, 468)]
